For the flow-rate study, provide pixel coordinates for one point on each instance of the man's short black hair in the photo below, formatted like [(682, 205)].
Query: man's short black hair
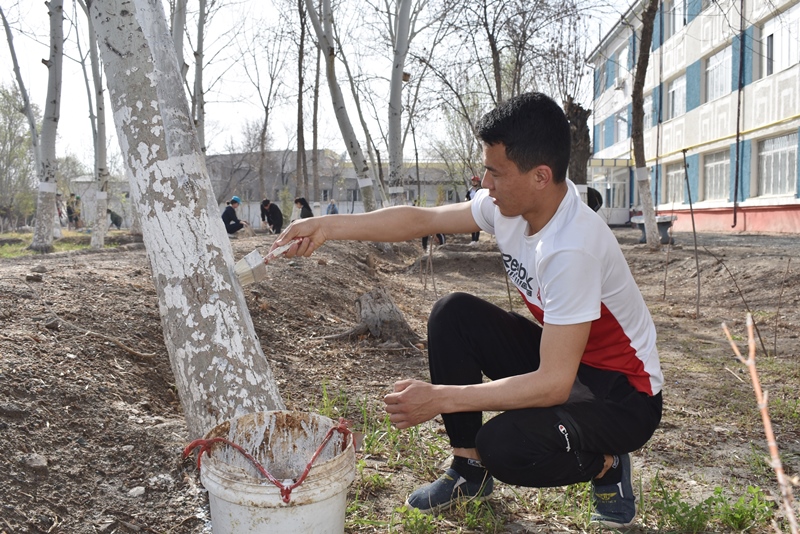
[(533, 129)]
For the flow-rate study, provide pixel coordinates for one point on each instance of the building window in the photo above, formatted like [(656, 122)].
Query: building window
[(780, 42), (622, 61), (676, 97), (648, 112), (326, 195), (718, 74), (621, 126), (716, 175), (601, 80), (777, 165), (674, 17), (354, 195), (673, 184)]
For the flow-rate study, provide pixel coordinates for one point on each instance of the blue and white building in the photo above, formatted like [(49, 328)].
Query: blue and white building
[(722, 107)]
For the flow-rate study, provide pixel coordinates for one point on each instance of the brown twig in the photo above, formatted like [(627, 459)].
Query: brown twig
[(508, 291), (778, 309), (694, 232), (761, 398), (741, 295), (666, 268)]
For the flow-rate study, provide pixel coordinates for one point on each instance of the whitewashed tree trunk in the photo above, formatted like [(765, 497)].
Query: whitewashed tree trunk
[(46, 212), (402, 25), (326, 43), (637, 127), (101, 173), (220, 370)]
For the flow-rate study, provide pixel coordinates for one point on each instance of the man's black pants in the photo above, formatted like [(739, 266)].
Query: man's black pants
[(469, 338)]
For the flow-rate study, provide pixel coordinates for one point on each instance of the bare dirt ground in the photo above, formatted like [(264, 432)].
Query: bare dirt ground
[(91, 434)]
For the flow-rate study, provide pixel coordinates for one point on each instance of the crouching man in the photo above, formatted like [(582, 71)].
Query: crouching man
[(580, 388)]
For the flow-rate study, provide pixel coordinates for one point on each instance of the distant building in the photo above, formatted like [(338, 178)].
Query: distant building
[(722, 91), (238, 174)]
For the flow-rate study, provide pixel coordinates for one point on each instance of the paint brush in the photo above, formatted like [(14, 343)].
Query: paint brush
[(253, 268)]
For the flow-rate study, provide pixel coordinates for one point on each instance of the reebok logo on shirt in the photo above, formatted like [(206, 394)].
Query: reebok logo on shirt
[(519, 274)]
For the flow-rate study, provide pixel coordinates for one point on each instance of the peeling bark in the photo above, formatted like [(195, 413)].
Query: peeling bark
[(220, 369)]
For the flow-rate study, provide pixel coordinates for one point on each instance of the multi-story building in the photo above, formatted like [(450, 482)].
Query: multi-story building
[(721, 115)]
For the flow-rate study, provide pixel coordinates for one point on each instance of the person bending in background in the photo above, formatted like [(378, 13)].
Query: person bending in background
[(577, 390), (232, 222), (271, 215), (475, 186), (116, 219)]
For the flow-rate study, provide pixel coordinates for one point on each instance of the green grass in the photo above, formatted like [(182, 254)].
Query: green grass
[(393, 454), (17, 250), (717, 512)]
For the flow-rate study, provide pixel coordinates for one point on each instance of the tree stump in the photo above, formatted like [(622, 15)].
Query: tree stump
[(379, 316)]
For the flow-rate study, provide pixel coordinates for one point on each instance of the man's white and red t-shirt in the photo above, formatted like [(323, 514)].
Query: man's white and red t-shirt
[(573, 271)]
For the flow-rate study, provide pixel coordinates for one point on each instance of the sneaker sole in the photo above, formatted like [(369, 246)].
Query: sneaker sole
[(613, 524)]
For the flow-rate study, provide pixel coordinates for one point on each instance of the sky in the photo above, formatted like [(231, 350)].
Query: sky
[(226, 116)]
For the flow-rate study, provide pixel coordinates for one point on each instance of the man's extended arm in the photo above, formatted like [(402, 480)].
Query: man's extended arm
[(398, 223)]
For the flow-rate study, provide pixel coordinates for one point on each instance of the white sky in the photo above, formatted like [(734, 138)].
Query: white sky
[(224, 120)]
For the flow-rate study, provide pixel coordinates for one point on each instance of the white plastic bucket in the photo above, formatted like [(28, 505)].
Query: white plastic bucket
[(243, 501)]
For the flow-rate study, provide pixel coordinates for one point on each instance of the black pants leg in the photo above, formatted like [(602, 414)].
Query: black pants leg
[(469, 338)]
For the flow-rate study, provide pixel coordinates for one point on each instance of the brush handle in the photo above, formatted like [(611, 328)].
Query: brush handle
[(278, 251)]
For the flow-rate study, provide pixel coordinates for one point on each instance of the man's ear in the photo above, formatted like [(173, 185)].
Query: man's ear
[(542, 175)]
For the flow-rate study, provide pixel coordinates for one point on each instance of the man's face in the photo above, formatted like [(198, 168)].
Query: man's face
[(235, 205), (513, 192)]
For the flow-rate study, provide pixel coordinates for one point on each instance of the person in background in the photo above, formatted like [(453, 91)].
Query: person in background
[(232, 222), (116, 219), (305, 209), (476, 185), (439, 239), (568, 396), (594, 198), (72, 211), (333, 209), (271, 213)]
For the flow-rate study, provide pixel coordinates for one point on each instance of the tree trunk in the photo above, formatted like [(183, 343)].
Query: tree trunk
[(315, 133), (100, 156), (379, 316), (325, 42), (178, 22), (24, 94), (371, 154), (46, 201), (301, 186), (402, 26), (220, 369), (581, 142), (199, 97), (637, 127)]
